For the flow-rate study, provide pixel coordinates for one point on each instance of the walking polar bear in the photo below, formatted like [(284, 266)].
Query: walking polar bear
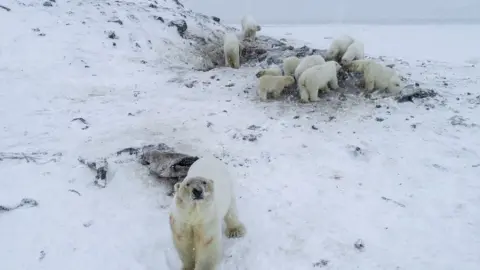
[(376, 76), (231, 50), (250, 27), (356, 51), (201, 202), (273, 84), (338, 48), (307, 62), (317, 78)]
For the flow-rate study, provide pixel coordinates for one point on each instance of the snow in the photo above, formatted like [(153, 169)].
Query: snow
[(306, 193)]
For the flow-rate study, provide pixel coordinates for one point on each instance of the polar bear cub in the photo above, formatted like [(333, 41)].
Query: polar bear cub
[(307, 62), (316, 78), (338, 47), (376, 76), (355, 51), (202, 201), (290, 64), (273, 84), (231, 50), (273, 70), (250, 27)]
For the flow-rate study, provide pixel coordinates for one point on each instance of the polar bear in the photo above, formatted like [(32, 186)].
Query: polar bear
[(250, 27), (355, 51), (231, 50), (376, 76), (273, 84), (290, 64), (318, 77), (338, 47), (273, 70), (201, 202), (307, 62)]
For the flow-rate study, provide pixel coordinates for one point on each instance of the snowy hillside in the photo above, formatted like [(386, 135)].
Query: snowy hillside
[(347, 183)]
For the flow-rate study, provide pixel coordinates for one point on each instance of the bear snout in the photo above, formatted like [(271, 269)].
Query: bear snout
[(197, 194)]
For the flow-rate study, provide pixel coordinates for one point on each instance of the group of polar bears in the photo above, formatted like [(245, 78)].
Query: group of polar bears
[(314, 73)]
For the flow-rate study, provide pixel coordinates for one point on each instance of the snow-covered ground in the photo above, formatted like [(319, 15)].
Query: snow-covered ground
[(400, 177)]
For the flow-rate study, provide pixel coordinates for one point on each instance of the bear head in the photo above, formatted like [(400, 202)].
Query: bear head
[(194, 191)]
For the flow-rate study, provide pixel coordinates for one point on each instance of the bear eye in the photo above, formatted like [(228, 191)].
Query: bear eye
[(188, 184), (204, 182)]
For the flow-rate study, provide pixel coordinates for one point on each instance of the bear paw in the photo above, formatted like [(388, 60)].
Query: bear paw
[(235, 232)]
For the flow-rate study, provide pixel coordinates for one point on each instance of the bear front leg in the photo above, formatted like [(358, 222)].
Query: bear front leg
[(334, 83), (262, 93), (313, 93), (277, 93), (234, 228), (209, 253), (186, 253), (369, 85)]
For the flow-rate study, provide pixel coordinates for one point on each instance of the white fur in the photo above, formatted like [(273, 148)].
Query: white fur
[(196, 225), (273, 70), (377, 76), (307, 62), (231, 50), (338, 47), (317, 78), (273, 84), (250, 27), (290, 64), (355, 51)]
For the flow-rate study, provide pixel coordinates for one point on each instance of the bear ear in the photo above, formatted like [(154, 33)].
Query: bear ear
[(176, 187)]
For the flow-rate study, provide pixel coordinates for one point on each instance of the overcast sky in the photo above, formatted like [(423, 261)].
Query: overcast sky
[(338, 11)]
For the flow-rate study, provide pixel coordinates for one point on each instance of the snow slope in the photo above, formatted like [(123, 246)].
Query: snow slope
[(312, 179)]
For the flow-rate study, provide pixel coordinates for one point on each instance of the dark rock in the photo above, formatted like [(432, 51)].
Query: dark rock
[(253, 127), (178, 3), (114, 44), (117, 21), (152, 6), (42, 34), (359, 245), (230, 85), (181, 26), (314, 127), (416, 95), (48, 4), (321, 263), (112, 35), (216, 19), (5, 8), (158, 18), (379, 119), (191, 84), (378, 106)]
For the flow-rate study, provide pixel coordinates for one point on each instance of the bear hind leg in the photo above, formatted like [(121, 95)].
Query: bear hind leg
[(234, 228)]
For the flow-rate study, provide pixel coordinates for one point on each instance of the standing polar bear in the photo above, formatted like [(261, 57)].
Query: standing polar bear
[(316, 78), (273, 84), (376, 76), (338, 48), (307, 62), (231, 50), (355, 51), (250, 27), (290, 64), (201, 202)]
